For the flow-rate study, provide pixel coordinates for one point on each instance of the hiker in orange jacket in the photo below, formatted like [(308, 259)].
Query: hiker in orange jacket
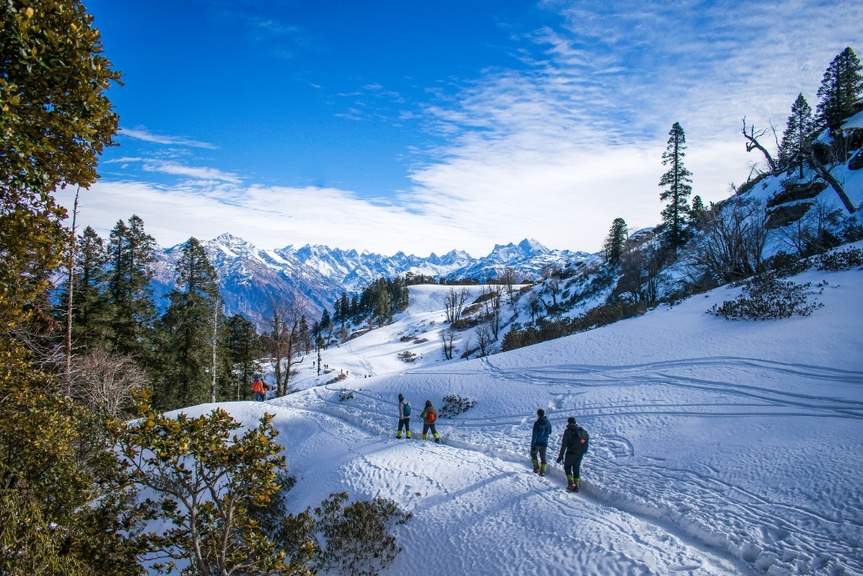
[(429, 416), (259, 389)]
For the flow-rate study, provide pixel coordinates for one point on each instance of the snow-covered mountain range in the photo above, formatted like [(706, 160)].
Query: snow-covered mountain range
[(310, 277)]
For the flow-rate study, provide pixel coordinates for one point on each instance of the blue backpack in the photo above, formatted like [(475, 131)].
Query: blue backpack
[(406, 409)]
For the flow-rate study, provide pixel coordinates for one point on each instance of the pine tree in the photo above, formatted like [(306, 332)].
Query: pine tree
[(615, 242), (677, 186), (697, 213), (188, 327), (242, 348), (841, 88), (382, 308), (132, 253), (91, 312), (796, 139), (325, 322), (344, 307)]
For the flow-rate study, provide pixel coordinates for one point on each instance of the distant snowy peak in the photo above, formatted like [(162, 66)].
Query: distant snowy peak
[(312, 276)]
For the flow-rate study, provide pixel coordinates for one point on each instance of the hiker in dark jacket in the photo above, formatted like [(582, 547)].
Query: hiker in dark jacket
[(572, 448), (429, 416), (404, 417), (539, 442)]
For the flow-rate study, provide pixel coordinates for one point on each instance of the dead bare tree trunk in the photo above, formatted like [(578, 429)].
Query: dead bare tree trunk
[(752, 143), (825, 175), (215, 343), (70, 295)]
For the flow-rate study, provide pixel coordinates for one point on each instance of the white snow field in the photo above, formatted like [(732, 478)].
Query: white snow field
[(717, 447)]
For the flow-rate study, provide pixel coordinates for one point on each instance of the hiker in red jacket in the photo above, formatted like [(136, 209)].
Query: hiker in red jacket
[(259, 389), (429, 416)]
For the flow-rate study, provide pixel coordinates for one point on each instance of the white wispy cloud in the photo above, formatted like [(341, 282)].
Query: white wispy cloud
[(268, 216), (147, 136), (553, 148), (195, 172)]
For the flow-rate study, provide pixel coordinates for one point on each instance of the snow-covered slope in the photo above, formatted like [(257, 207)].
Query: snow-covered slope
[(717, 447)]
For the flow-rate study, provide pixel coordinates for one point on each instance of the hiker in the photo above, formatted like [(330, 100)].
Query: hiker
[(539, 442), (404, 417), (572, 448), (429, 416), (259, 389)]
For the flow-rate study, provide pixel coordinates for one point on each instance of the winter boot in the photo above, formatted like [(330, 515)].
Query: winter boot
[(425, 436), (575, 483), (408, 435), (535, 463), (570, 483), (542, 468), (437, 438), (399, 434)]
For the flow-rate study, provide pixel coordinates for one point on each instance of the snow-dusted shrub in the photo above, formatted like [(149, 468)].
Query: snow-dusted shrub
[(842, 260), (766, 297), (338, 378), (358, 537), (407, 356), (453, 405), (784, 264)]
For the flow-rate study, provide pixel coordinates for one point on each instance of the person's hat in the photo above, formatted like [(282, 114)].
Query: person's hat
[(540, 412), (571, 420)]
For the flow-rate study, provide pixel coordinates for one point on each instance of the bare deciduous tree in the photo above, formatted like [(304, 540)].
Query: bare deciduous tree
[(734, 242), (484, 339), (284, 342), (447, 336), (508, 279), (454, 304), (105, 382), (551, 276), (752, 143)]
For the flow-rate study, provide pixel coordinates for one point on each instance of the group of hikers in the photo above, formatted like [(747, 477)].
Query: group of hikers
[(573, 445), (428, 415)]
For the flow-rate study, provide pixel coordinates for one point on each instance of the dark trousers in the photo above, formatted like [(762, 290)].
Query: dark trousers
[(405, 424), (538, 449), (259, 396), (427, 427), (572, 465)]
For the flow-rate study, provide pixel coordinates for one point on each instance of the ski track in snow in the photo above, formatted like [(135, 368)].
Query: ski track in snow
[(717, 463)]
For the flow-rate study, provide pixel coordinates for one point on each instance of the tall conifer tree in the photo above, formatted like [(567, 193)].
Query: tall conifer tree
[(615, 242), (132, 253), (676, 186), (188, 326), (841, 88), (796, 139)]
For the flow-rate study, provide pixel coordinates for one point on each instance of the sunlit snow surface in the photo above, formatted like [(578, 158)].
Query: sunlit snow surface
[(717, 447)]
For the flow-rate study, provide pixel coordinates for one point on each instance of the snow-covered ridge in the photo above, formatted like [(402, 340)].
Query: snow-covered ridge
[(312, 276)]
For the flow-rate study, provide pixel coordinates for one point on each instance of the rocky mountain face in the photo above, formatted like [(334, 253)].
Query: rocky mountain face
[(309, 278)]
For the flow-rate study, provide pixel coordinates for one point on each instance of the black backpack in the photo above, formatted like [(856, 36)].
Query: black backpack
[(579, 441), (583, 438)]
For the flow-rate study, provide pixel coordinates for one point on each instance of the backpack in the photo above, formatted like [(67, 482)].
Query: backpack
[(431, 416), (406, 409), (583, 439)]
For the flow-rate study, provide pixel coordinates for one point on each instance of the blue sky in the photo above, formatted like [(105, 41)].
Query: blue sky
[(428, 126)]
